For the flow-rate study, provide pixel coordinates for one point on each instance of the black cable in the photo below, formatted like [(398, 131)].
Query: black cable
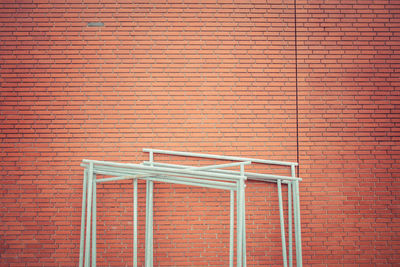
[(297, 88)]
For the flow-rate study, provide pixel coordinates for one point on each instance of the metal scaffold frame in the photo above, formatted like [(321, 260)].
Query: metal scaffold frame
[(211, 176)]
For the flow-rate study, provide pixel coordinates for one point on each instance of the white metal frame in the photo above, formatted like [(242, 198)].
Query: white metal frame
[(211, 176)]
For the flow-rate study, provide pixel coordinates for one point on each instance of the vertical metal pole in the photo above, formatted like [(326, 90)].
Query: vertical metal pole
[(299, 258), (149, 219), (296, 227), (240, 218), (146, 252), (152, 224), (244, 217), (239, 235), (135, 222), (151, 155), (151, 158), (81, 244), (149, 224), (94, 248), (282, 223), (290, 188), (89, 213), (244, 228), (290, 230), (231, 225)]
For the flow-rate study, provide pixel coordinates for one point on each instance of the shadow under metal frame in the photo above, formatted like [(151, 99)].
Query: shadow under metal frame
[(212, 176)]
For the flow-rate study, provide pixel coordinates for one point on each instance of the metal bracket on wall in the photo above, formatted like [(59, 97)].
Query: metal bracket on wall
[(211, 176)]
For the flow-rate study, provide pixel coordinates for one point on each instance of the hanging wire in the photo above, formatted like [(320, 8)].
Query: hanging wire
[(297, 89)]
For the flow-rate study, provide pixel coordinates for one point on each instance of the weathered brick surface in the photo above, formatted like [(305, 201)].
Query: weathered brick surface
[(204, 76)]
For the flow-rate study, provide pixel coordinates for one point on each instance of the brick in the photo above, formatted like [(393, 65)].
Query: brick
[(213, 77)]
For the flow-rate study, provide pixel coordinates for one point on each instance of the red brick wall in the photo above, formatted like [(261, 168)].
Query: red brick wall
[(210, 77)]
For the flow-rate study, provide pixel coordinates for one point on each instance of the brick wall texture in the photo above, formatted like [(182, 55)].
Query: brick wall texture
[(201, 76)]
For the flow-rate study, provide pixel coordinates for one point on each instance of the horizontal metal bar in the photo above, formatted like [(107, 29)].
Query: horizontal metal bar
[(209, 182), (178, 180), (116, 171), (249, 175), (213, 167), (174, 180), (162, 170), (105, 171), (111, 179), (211, 156)]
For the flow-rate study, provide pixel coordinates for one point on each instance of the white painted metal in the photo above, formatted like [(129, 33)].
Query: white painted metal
[(211, 176)]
